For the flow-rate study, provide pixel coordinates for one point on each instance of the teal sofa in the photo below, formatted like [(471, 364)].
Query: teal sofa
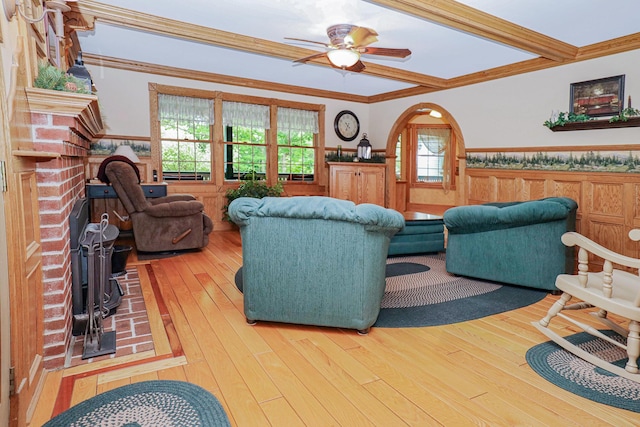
[(516, 243), (313, 260)]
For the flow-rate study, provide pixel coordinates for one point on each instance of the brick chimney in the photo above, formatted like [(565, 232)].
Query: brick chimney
[(63, 126)]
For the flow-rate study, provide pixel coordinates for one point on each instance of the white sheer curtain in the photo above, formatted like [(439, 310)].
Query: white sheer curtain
[(245, 115), (184, 108), (300, 120), (438, 141)]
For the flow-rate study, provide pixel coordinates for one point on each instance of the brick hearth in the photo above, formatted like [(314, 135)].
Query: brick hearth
[(133, 332)]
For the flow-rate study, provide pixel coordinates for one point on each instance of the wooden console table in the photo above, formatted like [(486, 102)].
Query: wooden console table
[(103, 198)]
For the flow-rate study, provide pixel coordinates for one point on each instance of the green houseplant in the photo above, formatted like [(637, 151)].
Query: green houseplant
[(53, 78), (253, 187)]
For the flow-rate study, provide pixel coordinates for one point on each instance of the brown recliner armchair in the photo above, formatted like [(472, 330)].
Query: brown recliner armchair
[(169, 223)]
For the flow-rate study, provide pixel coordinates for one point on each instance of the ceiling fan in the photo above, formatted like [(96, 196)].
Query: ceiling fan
[(347, 43)]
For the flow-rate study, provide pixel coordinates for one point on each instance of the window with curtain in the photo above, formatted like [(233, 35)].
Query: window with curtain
[(399, 157), (186, 125), (242, 137), (297, 142), (432, 147), (245, 129)]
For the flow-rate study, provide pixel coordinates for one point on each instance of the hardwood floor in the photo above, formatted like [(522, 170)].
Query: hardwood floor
[(471, 373)]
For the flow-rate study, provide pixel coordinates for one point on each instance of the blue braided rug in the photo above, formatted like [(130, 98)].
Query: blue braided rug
[(580, 377), (420, 292), (147, 403)]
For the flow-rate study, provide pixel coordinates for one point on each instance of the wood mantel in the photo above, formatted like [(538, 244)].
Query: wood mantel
[(80, 106)]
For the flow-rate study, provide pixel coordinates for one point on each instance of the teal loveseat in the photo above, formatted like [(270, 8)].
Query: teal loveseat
[(313, 260), (516, 243)]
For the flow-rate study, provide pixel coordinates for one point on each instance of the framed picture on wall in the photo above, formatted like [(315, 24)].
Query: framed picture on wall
[(600, 97)]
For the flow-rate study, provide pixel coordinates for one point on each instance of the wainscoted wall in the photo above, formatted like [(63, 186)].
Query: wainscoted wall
[(608, 203)]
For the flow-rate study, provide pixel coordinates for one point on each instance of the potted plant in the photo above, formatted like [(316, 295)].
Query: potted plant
[(53, 78), (251, 187)]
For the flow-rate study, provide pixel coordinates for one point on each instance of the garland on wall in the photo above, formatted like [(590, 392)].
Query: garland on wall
[(349, 158)]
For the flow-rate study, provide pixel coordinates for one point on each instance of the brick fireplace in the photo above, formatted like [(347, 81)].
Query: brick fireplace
[(62, 128)]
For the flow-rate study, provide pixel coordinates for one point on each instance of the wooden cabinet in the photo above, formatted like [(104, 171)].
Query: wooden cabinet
[(358, 182)]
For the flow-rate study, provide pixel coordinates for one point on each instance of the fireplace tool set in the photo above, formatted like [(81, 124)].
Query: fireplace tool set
[(98, 241)]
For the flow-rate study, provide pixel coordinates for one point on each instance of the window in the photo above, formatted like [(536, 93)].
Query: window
[(297, 132), (399, 157), (432, 146), (245, 128), (186, 136), (223, 138)]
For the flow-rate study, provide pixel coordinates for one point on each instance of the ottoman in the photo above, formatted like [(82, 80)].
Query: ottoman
[(422, 233)]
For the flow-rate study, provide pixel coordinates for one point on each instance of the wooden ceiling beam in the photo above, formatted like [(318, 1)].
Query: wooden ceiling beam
[(162, 70), (168, 27), (473, 21)]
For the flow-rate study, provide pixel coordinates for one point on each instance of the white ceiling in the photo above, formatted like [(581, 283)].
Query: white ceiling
[(436, 50)]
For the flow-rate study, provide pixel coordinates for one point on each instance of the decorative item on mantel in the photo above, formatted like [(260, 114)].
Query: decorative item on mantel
[(53, 78), (79, 71), (364, 148)]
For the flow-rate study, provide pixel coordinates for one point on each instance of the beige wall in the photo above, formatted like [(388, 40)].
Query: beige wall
[(503, 113), (509, 112), (124, 102)]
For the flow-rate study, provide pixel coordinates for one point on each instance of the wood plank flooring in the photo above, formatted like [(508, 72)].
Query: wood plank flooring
[(465, 374)]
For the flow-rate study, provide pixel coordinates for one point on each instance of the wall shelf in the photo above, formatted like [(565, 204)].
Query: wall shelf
[(597, 124)]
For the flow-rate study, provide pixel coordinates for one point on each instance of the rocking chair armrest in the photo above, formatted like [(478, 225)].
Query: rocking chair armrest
[(575, 239)]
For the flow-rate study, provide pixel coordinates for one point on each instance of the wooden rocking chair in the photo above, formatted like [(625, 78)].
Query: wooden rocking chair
[(612, 290)]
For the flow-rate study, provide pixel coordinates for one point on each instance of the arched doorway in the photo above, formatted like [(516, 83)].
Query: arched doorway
[(394, 198)]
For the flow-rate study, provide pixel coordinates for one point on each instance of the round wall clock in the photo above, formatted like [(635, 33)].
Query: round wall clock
[(346, 125)]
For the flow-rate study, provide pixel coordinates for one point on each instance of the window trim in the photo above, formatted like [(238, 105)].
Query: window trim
[(217, 150)]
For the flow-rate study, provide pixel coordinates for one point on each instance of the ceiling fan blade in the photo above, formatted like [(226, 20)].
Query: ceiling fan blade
[(355, 68), (383, 51), (310, 57), (361, 36), (308, 41)]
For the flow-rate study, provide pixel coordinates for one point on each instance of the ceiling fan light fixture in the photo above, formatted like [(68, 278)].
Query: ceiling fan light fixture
[(343, 58)]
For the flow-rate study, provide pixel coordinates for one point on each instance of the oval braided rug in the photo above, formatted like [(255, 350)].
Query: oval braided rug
[(426, 295), (145, 404), (580, 377)]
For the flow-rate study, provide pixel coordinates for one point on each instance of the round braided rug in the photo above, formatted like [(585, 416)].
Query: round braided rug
[(580, 377), (420, 292), (430, 286), (147, 404)]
